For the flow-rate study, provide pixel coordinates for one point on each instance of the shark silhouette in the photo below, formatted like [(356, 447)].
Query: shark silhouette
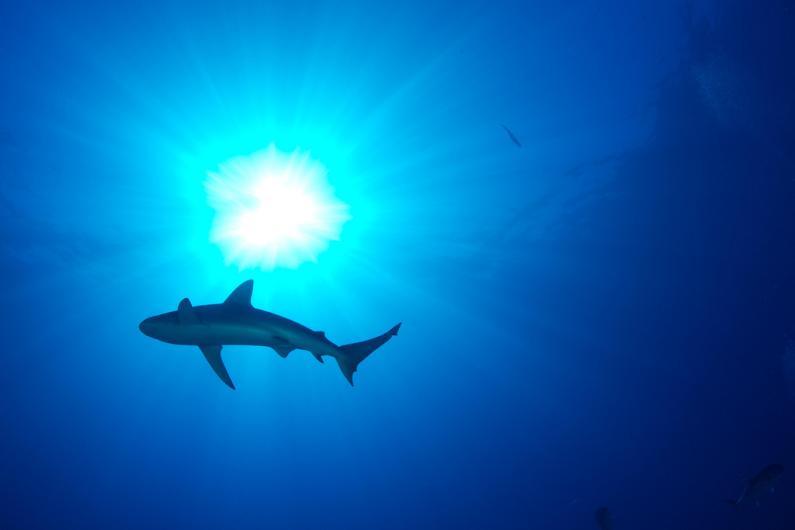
[(236, 321), (760, 483)]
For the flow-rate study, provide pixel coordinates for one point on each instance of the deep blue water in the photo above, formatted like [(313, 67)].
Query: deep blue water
[(603, 316)]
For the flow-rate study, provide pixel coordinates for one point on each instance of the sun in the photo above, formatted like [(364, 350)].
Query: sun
[(273, 209)]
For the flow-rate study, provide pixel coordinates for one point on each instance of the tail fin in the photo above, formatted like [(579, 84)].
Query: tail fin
[(353, 354)]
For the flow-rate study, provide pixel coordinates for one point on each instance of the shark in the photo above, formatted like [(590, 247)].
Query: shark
[(760, 483), (237, 322), (604, 519)]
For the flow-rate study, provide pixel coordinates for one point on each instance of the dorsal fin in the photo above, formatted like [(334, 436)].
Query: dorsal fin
[(185, 313), (242, 294), (320, 334)]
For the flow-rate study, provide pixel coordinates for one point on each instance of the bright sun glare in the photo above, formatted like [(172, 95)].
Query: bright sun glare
[(273, 209)]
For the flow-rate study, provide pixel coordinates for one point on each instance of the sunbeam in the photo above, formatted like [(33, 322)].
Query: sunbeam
[(273, 209)]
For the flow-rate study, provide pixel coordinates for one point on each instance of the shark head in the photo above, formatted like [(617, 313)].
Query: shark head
[(159, 327), (172, 327)]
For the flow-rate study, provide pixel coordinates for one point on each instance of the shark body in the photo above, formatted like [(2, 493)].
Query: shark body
[(237, 322), (759, 484), (604, 519)]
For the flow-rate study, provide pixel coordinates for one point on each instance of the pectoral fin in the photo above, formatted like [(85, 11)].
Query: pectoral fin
[(213, 355)]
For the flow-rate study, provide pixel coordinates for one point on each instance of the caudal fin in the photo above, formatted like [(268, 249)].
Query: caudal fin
[(353, 354)]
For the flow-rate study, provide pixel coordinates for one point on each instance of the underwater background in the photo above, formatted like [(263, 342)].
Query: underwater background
[(599, 313)]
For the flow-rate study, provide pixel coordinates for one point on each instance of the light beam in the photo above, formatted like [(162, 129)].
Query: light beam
[(273, 209)]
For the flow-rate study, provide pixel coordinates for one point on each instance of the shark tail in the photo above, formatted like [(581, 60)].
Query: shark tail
[(353, 354)]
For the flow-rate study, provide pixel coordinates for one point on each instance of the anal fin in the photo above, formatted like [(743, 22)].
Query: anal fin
[(318, 357), (213, 355)]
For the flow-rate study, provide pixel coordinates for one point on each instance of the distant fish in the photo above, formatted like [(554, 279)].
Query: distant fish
[(604, 519), (513, 137), (759, 484)]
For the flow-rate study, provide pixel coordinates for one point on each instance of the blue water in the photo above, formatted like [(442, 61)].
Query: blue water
[(601, 317)]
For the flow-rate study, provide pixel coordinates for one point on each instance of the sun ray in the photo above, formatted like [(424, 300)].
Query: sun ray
[(273, 209)]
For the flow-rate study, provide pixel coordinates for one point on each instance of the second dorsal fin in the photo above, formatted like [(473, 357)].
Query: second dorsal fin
[(242, 294)]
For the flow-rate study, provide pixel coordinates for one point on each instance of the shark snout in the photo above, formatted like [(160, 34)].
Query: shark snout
[(146, 326)]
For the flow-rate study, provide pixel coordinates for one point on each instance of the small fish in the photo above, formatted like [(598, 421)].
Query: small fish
[(604, 519), (513, 137), (760, 483)]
